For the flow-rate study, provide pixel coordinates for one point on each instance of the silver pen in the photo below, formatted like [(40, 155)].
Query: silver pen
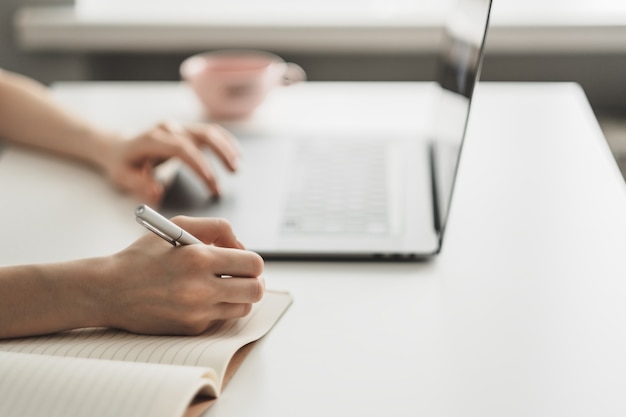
[(163, 227)]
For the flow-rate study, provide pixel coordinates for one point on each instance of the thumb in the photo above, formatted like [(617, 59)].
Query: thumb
[(210, 230)]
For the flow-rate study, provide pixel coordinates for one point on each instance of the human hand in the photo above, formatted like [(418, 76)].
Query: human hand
[(130, 164), (155, 288)]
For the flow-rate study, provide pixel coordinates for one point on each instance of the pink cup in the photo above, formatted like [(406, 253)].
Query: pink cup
[(231, 84)]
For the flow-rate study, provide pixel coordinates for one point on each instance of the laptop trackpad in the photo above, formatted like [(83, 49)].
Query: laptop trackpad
[(252, 198)]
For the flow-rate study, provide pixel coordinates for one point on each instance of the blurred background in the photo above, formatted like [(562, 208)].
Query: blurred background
[(379, 40)]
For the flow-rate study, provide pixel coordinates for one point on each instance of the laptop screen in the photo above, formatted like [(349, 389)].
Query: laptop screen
[(457, 74)]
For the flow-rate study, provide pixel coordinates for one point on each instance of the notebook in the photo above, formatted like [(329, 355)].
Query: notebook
[(354, 196)]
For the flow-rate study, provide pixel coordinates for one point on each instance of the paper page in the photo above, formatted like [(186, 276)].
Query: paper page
[(212, 349), (41, 385)]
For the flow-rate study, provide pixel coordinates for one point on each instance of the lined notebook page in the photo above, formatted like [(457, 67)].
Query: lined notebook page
[(213, 349), (38, 385)]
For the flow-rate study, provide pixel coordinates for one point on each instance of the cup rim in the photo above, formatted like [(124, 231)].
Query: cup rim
[(185, 66)]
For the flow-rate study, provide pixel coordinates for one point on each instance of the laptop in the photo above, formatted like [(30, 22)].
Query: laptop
[(352, 196)]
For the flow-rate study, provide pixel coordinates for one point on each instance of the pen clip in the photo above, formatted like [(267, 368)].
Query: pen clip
[(157, 232)]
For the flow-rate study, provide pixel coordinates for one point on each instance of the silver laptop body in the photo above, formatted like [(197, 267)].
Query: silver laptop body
[(352, 195)]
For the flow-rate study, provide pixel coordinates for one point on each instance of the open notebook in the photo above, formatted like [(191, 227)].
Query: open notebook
[(101, 372)]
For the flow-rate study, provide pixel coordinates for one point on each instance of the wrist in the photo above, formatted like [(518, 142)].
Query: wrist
[(76, 290), (93, 291), (99, 148)]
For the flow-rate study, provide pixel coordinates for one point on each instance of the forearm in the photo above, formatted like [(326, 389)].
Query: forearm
[(30, 116), (39, 299), (150, 287)]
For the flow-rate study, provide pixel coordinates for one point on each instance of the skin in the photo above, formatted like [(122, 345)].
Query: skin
[(149, 287), (30, 116)]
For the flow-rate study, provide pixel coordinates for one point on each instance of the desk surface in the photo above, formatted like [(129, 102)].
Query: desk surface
[(522, 314)]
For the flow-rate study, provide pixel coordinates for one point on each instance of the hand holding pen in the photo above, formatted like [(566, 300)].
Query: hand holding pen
[(158, 289)]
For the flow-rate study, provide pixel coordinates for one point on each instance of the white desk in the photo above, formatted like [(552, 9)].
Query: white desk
[(523, 314)]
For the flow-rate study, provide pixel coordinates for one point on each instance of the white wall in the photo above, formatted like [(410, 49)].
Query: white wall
[(602, 75), (44, 67)]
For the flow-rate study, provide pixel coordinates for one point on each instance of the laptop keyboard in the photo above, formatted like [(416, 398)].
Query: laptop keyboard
[(340, 188)]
